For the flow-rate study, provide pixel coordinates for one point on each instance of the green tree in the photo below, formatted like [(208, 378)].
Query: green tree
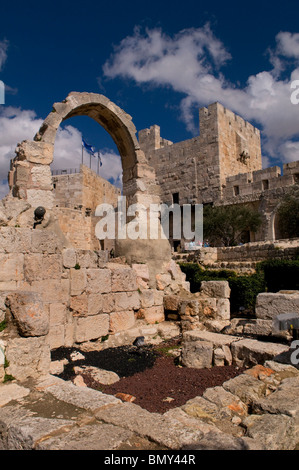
[(288, 214), (226, 225)]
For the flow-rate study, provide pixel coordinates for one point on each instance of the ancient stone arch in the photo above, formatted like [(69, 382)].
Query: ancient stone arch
[(30, 175)]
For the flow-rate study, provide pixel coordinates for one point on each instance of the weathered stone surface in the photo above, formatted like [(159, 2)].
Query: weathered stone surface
[(11, 267), (154, 314), (69, 258), (12, 391), (91, 327), (246, 387), (275, 432), (269, 305), (98, 281), (123, 279), (22, 431), (28, 313), (197, 354), (78, 281), (283, 401), (226, 400), (120, 321), (250, 351), (171, 302), (166, 431), (105, 377), (28, 357), (218, 289), (93, 436)]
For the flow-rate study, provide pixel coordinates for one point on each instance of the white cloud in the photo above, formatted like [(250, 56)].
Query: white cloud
[(68, 154), (17, 125), (191, 62)]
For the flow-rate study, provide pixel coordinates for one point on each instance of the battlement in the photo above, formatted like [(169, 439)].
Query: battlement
[(256, 182)]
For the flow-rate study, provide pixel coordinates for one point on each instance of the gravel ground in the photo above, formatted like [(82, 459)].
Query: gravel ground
[(149, 373)]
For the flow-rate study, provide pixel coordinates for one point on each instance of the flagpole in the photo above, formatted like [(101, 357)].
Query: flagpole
[(82, 153), (98, 163)]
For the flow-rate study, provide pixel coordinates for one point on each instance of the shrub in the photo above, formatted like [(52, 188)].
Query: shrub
[(279, 274)]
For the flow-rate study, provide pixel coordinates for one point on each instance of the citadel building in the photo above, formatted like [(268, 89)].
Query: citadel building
[(220, 166)]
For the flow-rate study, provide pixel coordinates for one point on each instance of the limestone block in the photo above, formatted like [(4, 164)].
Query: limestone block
[(163, 281), (57, 312), (226, 400), (126, 301), (120, 321), (249, 351), (28, 357), (197, 354), (91, 327), (56, 336), (171, 303), (51, 266), (33, 267), (207, 308), (218, 340), (69, 258), (189, 307), (15, 240), (269, 305), (40, 197), (79, 304), (28, 313), (78, 280), (95, 302), (222, 356), (87, 258), (123, 280), (275, 432), (98, 281), (142, 272), (52, 290), (154, 314), (11, 267), (258, 327), (105, 377), (35, 152), (44, 241), (41, 177), (223, 309), (215, 289)]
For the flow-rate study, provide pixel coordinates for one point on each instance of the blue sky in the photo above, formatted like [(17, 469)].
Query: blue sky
[(159, 61)]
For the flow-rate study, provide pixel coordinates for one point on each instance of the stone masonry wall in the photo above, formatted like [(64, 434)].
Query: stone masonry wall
[(76, 197), (197, 168)]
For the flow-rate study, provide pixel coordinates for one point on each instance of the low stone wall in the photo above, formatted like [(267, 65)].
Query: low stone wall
[(250, 253), (204, 349), (209, 308)]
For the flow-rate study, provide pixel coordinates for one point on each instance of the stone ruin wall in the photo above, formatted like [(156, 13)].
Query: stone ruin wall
[(53, 296)]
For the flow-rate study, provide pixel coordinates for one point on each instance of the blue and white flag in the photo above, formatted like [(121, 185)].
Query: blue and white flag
[(100, 160), (89, 149)]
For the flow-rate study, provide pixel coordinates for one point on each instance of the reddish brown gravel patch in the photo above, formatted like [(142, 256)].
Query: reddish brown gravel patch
[(150, 374), (165, 385)]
